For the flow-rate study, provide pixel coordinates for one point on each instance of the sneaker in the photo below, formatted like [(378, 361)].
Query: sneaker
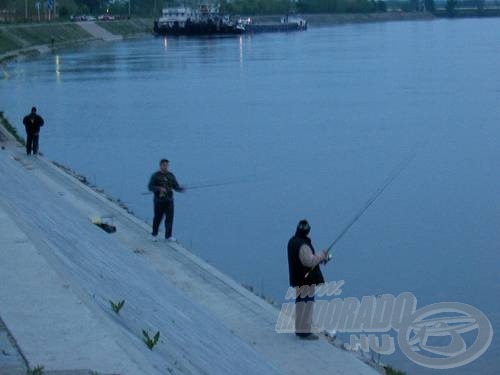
[(309, 337), (171, 239), (154, 238)]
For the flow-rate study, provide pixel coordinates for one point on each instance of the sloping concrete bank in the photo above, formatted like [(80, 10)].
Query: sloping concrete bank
[(59, 272), (25, 39)]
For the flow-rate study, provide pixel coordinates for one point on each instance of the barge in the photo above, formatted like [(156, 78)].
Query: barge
[(203, 21), (287, 23)]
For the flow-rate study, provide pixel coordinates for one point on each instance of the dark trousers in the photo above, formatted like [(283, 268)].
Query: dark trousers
[(303, 315), (164, 208), (32, 143)]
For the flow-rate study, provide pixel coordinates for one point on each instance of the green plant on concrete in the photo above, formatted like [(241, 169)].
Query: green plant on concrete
[(392, 371), (38, 370), (150, 342), (11, 129), (116, 307)]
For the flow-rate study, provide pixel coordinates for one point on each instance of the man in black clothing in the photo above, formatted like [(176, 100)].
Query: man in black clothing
[(162, 184), (303, 261), (32, 123)]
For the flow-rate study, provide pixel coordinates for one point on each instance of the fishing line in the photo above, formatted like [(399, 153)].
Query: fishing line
[(390, 178)]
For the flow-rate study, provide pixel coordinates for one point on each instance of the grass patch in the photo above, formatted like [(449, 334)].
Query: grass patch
[(11, 129), (43, 33), (7, 43), (392, 371), (38, 370), (128, 27)]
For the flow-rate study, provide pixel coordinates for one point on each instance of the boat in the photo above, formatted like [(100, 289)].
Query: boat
[(287, 23), (206, 20)]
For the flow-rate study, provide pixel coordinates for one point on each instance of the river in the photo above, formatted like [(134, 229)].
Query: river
[(299, 125)]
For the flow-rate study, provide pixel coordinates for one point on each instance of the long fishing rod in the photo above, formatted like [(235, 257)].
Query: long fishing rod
[(392, 176), (205, 186)]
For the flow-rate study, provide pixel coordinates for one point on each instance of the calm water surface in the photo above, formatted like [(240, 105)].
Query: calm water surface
[(309, 124)]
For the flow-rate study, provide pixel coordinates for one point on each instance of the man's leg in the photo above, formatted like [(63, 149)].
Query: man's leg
[(35, 144), (159, 211), (29, 142), (169, 218), (303, 315)]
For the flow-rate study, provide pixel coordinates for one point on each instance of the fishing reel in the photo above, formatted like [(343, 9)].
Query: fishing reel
[(328, 258)]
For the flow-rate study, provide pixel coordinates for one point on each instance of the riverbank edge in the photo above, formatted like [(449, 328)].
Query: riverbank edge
[(129, 30), (7, 129)]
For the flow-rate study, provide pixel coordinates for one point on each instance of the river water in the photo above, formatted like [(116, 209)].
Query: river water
[(299, 125)]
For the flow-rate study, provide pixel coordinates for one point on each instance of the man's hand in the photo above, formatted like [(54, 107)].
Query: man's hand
[(162, 189)]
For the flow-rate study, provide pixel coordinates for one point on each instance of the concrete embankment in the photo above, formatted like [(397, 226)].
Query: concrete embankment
[(59, 272), (22, 39)]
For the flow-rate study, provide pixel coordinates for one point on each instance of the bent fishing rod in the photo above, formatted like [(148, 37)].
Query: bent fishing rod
[(390, 179)]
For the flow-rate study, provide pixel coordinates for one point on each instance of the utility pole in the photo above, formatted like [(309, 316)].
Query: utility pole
[(26, 10), (129, 1)]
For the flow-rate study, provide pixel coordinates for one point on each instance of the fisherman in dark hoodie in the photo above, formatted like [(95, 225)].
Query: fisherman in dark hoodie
[(303, 261), (162, 183), (32, 123)]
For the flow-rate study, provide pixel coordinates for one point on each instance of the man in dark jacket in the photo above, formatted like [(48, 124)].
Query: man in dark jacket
[(32, 123), (162, 184), (303, 267)]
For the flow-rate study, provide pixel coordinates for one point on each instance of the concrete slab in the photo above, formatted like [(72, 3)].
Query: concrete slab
[(94, 263), (42, 312), (98, 32)]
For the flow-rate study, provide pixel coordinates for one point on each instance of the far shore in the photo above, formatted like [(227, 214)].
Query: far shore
[(21, 46)]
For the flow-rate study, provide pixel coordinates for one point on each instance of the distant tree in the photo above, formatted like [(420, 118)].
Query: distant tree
[(430, 6), (381, 6), (480, 5), (450, 7)]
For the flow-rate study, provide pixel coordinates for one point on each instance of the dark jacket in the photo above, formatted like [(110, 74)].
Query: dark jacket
[(32, 123), (297, 271), (166, 181)]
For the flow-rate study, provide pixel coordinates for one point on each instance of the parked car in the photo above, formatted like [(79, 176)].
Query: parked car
[(106, 17)]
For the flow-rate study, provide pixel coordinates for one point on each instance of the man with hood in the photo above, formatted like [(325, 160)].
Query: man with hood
[(32, 123), (305, 274)]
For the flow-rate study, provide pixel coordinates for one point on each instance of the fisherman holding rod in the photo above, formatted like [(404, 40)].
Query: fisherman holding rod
[(162, 183), (303, 262), (305, 274)]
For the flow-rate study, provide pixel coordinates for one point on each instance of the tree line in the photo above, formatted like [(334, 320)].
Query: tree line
[(16, 9)]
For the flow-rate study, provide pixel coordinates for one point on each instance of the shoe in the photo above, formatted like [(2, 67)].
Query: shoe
[(171, 239), (154, 238), (309, 337)]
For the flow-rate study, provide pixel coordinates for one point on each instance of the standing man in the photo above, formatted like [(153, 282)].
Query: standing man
[(162, 184), (32, 123), (303, 261)]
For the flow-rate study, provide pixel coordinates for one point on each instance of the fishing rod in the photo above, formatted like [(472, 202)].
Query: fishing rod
[(392, 176), (205, 186)]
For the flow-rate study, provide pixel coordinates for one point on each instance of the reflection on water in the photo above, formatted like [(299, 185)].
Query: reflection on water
[(313, 123)]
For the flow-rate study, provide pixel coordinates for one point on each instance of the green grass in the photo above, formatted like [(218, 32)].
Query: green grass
[(392, 371), (7, 43), (11, 129), (128, 27), (43, 33)]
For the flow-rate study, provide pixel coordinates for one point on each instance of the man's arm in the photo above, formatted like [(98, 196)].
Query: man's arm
[(176, 185), (40, 121), (308, 259), (151, 185)]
